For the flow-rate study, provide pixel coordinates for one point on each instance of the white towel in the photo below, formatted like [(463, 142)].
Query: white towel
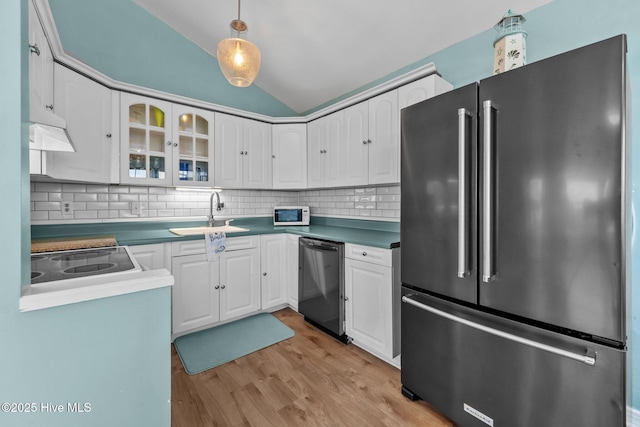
[(215, 243)]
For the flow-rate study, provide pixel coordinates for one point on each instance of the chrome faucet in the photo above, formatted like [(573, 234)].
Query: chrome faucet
[(219, 206)]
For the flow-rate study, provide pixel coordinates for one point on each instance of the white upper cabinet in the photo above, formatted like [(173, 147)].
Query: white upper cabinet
[(257, 155), (243, 152), (40, 66), (354, 158), (192, 130), (160, 146), (289, 156), (359, 145), (325, 158), (146, 146), (419, 90), (90, 111), (383, 140)]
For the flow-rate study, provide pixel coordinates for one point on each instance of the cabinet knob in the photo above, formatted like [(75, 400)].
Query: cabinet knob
[(364, 254), (175, 144), (168, 143), (108, 135), (368, 141), (216, 287), (33, 48), (273, 156), (246, 152), (49, 107), (264, 274), (364, 142), (222, 287), (346, 298)]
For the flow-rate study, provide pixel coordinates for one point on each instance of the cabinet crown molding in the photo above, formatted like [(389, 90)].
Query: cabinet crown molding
[(48, 23)]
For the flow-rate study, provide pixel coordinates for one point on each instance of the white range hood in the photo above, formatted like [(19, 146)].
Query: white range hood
[(48, 132)]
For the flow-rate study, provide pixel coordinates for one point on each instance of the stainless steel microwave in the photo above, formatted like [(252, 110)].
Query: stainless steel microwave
[(291, 215)]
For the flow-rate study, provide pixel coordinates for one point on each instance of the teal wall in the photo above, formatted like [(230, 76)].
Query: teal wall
[(113, 354), (125, 42)]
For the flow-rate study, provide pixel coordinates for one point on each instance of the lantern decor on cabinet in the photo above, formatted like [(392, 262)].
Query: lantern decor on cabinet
[(509, 48), (238, 58)]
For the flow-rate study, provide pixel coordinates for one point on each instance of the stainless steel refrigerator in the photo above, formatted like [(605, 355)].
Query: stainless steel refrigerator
[(514, 217)]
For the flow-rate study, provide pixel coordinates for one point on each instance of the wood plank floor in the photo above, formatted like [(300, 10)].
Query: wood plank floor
[(308, 380)]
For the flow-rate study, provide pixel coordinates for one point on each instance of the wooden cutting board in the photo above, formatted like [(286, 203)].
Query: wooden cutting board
[(66, 243)]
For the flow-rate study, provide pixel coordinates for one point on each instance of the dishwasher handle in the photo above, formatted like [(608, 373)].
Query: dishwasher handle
[(318, 244)]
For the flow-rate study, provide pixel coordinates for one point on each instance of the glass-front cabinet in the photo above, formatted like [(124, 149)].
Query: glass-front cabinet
[(165, 144), (193, 131)]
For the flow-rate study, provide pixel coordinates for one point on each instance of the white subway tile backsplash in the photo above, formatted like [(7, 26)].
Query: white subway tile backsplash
[(96, 201), (85, 197), (128, 198), (74, 188), (41, 197), (47, 206), (48, 187)]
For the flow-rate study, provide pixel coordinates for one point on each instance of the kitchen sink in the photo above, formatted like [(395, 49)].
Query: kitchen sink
[(190, 231)]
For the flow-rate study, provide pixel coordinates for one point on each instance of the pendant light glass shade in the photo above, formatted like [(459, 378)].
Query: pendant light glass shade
[(238, 58), (239, 61)]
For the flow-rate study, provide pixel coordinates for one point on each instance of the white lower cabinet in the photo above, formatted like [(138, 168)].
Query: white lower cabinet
[(279, 264), (372, 306), (239, 283), (150, 257), (291, 277), (273, 263), (207, 292)]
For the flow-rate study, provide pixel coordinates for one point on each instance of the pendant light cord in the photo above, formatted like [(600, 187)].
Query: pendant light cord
[(238, 10)]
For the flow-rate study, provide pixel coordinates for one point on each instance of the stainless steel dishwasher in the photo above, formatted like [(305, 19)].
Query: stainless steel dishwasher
[(321, 285)]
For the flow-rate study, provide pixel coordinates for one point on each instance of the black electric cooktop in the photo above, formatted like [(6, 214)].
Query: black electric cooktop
[(62, 265)]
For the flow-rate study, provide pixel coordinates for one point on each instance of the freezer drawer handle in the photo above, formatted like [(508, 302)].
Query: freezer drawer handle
[(463, 193), (589, 360), (488, 268)]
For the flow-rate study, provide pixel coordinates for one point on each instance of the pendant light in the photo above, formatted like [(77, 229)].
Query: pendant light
[(239, 59)]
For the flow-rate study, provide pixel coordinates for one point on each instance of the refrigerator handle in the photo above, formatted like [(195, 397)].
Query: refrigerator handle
[(463, 192), (587, 359), (488, 270)]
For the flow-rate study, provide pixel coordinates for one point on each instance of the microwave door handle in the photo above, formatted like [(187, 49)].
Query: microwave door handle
[(488, 175), (463, 193)]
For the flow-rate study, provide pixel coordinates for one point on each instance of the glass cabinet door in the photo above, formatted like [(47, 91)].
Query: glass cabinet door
[(193, 129), (146, 145)]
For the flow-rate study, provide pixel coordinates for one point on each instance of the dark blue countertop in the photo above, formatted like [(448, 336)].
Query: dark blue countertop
[(381, 234)]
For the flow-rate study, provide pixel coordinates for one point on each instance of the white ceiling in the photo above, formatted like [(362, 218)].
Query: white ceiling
[(315, 51)]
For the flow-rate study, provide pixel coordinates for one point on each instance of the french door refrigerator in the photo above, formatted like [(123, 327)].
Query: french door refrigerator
[(514, 213)]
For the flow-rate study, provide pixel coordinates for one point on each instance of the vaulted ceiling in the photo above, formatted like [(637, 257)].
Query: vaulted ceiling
[(315, 51)]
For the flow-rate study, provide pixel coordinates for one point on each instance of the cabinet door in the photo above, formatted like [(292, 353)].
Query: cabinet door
[(334, 150), (193, 131), (256, 159), (86, 107), (368, 309), (40, 65), (289, 156), (150, 257), (239, 283), (195, 293), (317, 133), (145, 141), (229, 149), (273, 262), (291, 276), (384, 133), (355, 149)]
